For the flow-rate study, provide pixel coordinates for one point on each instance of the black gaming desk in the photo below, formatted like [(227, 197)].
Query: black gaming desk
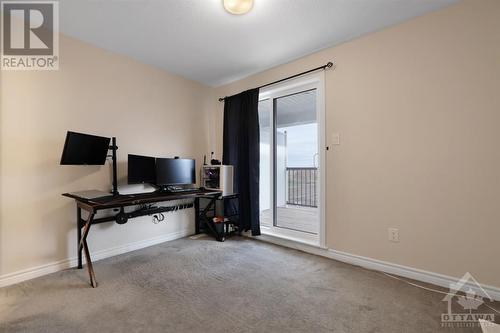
[(92, 206)]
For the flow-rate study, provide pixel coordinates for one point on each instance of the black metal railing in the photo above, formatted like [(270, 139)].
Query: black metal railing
[(302, 186)]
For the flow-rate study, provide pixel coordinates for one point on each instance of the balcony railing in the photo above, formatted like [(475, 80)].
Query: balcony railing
[(302, 189)]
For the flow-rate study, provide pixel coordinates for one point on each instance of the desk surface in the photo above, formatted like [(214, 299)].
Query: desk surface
[(140, 198)]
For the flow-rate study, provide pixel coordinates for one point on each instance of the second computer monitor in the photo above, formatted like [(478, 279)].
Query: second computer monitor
[(141, 169), (175, 171)]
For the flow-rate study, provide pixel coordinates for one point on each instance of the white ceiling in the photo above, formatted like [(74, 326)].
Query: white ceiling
[(291, 110), (199, 40)]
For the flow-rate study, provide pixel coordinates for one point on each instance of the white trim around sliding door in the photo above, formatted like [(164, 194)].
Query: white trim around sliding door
[(321, 109), (307, 82)]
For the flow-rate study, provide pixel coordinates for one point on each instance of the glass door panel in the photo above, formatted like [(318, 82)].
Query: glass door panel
[(265, 179), (296, 167)]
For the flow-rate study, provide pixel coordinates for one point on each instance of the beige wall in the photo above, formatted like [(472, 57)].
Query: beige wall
[(147, 109), (418, 109)]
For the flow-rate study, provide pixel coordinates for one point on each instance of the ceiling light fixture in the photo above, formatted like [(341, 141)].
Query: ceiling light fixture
[(238, 7)]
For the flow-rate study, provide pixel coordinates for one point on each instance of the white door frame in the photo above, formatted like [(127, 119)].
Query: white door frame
[(306, 82)]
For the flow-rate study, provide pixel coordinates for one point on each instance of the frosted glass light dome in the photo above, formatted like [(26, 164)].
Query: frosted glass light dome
[(238, 7)]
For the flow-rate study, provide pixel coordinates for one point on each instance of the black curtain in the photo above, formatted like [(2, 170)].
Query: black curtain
[(241, 150)]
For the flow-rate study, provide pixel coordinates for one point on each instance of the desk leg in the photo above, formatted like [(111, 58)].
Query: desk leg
[(83, 244), (79, 235), (197, 216)]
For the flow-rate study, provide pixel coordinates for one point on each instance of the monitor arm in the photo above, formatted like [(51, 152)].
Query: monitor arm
[(113, 149)]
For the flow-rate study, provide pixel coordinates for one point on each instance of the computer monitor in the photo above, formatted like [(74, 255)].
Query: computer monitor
[(84, 149), (141, 169), (175, 171)]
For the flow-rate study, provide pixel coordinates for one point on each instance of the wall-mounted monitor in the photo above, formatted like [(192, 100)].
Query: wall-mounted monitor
[(141, 169), (84, 149), (175, 171)]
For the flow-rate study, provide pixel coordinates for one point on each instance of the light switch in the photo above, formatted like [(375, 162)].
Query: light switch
[(335, 139)]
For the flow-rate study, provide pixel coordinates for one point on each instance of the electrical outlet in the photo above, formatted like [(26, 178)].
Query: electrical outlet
[(393, 234)]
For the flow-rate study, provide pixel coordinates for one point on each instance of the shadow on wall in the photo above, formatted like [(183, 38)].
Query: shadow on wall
[(58, 223), (47, 163), (122, 172), (60, 214)]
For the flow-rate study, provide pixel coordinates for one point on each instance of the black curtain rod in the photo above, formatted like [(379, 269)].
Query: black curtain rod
[(328, 65)]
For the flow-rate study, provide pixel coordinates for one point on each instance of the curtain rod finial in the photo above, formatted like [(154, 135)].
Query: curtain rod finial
[(222, 99), (329, 64)]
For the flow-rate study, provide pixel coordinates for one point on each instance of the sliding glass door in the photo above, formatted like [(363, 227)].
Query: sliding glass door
[(291, 137)]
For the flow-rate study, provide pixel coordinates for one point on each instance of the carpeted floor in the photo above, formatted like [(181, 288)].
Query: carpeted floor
[(202, 285)]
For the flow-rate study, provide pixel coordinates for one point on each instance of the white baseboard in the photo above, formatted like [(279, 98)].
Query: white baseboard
[(384, 266), (34, 272), (411, 273)]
